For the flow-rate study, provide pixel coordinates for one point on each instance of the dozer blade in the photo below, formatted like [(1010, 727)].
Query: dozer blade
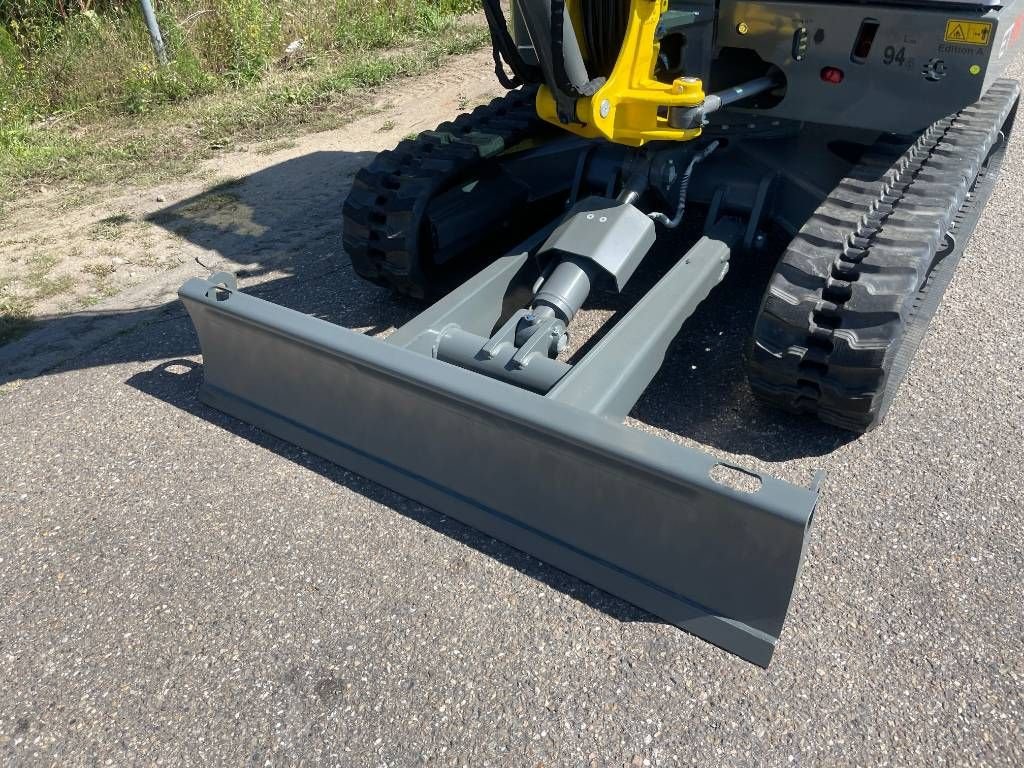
[(633, 514)]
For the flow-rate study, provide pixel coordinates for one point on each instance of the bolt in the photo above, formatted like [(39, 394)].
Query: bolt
[(606, 108), (742, 28), (760, 241)]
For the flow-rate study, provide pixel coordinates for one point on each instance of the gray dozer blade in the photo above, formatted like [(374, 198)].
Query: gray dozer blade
[(633, 514)]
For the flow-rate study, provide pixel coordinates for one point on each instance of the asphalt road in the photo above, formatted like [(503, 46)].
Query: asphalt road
[(179, 588)]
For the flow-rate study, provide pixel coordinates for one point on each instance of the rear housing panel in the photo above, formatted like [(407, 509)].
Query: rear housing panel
[(923, 63)]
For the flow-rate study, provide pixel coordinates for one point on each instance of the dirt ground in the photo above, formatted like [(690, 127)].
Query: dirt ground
[(65, 250)]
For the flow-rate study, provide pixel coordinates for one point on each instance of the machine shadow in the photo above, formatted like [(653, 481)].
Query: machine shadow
[(177, 383), (286, 219), (288, 214), (283, 220)]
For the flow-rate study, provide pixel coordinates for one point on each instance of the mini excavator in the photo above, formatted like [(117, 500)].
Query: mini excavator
[(867, 135)]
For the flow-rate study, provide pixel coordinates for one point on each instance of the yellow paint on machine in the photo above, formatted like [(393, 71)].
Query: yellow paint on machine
[(631, 107), (968, 32)]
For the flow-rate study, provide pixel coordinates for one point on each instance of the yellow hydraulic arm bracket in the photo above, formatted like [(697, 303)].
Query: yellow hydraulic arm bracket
[(626, 108)]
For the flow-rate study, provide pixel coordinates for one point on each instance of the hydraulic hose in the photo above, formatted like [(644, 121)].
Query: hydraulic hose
[(550, 27), (544, 18), (503, 47), (684, 183)]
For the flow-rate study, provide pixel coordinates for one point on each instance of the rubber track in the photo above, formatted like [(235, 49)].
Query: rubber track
[(851, 297), (384, 211)]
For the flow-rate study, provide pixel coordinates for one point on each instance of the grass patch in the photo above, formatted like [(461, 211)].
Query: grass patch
[(99, 270), (271, 147), (82, 101), (48, 287), (211, 201), (39, 281), (171, 139), (109, 228), (40, 265), (227, 182), (36, 285)]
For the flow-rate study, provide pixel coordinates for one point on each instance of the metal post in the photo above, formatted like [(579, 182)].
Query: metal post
[(154, 31)]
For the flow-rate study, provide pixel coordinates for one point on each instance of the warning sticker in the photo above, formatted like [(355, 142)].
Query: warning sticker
[(968, 32)]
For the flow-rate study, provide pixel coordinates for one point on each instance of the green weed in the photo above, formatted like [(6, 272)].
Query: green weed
[(39, 281), (109, 228), (99, 270), (82, 100), (271, 147), (97, 59)]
